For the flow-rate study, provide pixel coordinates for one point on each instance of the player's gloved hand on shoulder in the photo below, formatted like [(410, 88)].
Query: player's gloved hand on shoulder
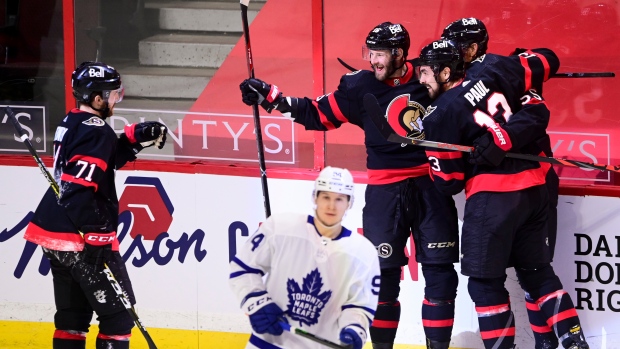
[(490, 148), (257, 91), (353, 335), (146, 134), (97, 245), (264, 313), (517, 51)]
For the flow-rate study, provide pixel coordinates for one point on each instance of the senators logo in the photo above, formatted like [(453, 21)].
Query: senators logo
[(405, 117)]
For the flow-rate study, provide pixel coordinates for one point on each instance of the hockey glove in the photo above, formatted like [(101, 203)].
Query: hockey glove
[(264, 313), (257, 91), (97, 246), (354, 335), (146, 134), (517, 51), (490, 148)]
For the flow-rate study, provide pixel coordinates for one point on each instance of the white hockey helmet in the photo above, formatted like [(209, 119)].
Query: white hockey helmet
[(335, 180)]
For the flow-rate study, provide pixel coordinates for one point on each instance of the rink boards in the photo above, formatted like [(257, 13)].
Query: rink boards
[(179, 231)]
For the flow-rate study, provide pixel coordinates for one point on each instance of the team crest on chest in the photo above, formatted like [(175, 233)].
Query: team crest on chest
[(405, 117), (305, 303), (94, 121)]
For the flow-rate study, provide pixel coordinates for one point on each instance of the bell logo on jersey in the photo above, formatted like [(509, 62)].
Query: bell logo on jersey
[(305, 303)]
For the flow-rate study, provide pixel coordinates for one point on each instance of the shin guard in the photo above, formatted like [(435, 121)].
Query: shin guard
[(438, 319), (385, 324), (67, 339), (544, 336)]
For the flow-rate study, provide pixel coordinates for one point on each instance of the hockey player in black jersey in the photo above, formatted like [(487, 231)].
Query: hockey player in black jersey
[(521, 71), (506, 209), (400, 197), (87, 153)]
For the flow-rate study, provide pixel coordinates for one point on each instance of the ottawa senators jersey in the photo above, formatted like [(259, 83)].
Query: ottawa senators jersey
[(404, 102), (466, 112), (516, 73), (86, 156)]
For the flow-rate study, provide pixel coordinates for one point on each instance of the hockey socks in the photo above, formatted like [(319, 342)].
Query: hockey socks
[(385, 324), (438, 319), (497, 326), (561, 316), (67, 339), (112, 342), (543, 334)]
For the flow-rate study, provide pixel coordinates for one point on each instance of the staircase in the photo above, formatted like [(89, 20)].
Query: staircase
[(192, 40)]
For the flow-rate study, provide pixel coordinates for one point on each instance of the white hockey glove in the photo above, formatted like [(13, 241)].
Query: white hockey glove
[(354, 335)]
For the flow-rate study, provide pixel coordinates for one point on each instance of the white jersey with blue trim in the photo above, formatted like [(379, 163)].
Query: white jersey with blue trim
[(321, 284)]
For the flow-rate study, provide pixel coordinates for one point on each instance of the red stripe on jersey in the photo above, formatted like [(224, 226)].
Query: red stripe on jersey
[(437, 323), (59, 241), (68, 178), (384, 324), (446, 155), (459, 176), (73, 335), (492, 310), (528, 73), (119, 337), (91, 160), (504, 332), (544, 62), (394, 175), (336, 109), (496, 182), (323, 117), (540, 329), (561, 316)]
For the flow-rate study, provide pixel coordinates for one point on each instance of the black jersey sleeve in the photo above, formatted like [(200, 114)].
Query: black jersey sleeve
[(330, 111), (538, 65), (88, 156), (124, 152), (530, 123)]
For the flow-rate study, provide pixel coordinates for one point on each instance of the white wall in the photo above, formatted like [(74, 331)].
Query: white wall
[(194, 294)]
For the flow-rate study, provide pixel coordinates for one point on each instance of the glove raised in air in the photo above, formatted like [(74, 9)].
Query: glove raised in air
[(264, 314), (257, 91), (146, 134)]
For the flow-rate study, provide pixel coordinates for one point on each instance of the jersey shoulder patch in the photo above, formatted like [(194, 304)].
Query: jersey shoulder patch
[(94, 121)]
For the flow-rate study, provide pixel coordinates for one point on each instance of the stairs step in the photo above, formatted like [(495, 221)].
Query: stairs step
[(165, 82), (202, 15), (186, 50)]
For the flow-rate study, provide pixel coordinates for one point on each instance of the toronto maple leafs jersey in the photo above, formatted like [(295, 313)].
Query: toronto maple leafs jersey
[(403, 100), (466, 112), (321, 284), (87, 153)]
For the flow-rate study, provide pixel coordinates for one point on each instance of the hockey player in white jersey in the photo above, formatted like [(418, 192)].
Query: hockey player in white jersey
[(320, 276)]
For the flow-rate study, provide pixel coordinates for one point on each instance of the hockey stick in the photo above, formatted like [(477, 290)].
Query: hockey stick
[(106, 270), (257, 128), (312, 337), (376, 115), (556, 75)]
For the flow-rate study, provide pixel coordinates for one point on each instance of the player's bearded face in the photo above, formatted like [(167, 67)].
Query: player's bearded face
[(427, 78), (331, 207), (382, 64)]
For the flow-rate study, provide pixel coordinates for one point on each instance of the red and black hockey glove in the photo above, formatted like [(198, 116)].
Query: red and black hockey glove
[(257, 91), (97, 246), (146, 134), (490, 148)]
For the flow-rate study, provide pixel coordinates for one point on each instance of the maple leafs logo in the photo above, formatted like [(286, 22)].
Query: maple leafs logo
[(306, 303)]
